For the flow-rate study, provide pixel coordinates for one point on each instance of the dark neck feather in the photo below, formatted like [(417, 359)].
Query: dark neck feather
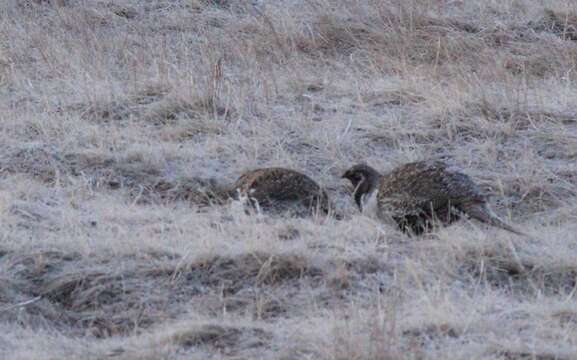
[(359, 199), (365, 187)]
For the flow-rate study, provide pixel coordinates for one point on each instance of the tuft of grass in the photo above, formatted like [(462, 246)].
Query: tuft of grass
[(560, 23), (219, 337), (241, 271)]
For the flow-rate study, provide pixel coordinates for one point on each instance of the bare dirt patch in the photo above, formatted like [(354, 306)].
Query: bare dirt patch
[(94, 300), (145, 181)]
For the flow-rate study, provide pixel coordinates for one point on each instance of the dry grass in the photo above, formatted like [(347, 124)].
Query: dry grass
[(125, 122)]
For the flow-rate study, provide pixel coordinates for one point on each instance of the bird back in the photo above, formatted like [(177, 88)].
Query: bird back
[(424, 186), (274, 186)]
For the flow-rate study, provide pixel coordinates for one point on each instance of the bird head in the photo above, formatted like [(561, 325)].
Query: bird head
[(364, 179)]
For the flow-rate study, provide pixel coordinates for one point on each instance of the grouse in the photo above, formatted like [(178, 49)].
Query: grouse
[(419, 195), (279, 190)]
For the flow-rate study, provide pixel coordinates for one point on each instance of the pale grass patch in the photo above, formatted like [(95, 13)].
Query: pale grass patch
[(120, 117)]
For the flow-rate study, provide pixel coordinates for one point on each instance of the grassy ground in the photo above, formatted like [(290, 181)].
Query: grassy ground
[(116, 115)]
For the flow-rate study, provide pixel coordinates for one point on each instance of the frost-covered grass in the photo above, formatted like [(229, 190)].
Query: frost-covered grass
[(114, 112)]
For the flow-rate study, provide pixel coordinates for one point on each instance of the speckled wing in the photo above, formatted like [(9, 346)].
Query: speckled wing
[(419, 187), (277, 184)]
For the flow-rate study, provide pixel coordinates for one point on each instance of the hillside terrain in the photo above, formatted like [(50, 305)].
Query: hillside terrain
[(121, 118)]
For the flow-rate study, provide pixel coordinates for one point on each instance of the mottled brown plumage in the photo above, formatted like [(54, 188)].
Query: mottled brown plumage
[(280, 189), (417, 195)]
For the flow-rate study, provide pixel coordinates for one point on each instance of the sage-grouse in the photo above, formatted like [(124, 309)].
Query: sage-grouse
[(279, 190), (421, 194)]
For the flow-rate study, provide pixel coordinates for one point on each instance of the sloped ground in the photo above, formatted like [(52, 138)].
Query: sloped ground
[(124, 122)]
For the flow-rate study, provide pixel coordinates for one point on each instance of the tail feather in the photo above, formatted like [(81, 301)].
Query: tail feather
[(484, 214)]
